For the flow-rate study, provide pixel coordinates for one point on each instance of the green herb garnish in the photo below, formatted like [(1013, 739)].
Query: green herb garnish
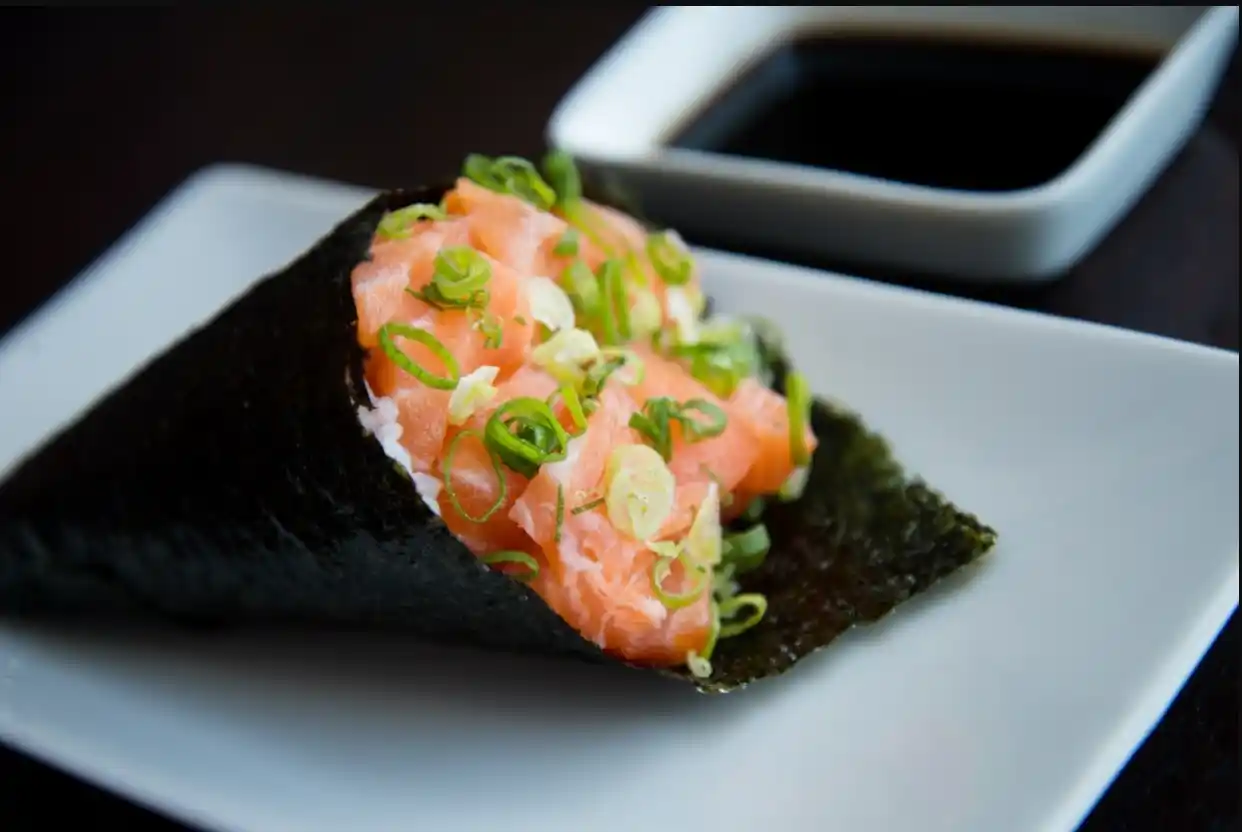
[(730, 607), (798, 398), (525, 433), (513, 556), (695, 430), (669, 258), (585, 507), (567, 246), (452, 372), (676, 600), (583, 289), (560, 513), (502, 484), (616, 303), (511, 175), (655, 420), (746, 550), (395, 225)]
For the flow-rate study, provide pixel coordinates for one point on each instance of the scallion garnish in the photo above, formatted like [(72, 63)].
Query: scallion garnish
[(560, 513), (567, 245), (798, 399), (563, 176), (721, 367), (514, 556), (396, 224), (746, 550), (392, 329), (676, 600), (525, 433), (574, 405), (503, 486), (654, 421), (459, 280), (491, 329), (730, 607), (583, 289), (696, 430), (616, 303), (669, 258), (585, 507), (510, 175), (754, 510)]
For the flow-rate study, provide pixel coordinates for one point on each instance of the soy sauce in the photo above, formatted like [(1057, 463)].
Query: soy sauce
[(967, 114)]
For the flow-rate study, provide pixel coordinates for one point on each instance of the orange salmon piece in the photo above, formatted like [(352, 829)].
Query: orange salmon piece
[(474, 480), (766, 413), (507, 228), (725, 458), (579, 475)]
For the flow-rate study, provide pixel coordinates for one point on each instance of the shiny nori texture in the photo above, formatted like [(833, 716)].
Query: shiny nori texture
[(228, 482)]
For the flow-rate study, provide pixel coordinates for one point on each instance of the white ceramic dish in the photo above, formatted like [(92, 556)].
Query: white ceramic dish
[(1107, 460), (621, 115)]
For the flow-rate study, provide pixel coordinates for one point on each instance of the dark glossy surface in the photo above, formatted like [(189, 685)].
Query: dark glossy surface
[(960, 113), (115, 108)]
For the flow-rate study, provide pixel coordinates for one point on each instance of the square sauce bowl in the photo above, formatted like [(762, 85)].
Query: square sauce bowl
[(985, 143)]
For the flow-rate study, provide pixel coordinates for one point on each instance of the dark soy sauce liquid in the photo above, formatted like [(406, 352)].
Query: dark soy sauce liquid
[(967, 114)]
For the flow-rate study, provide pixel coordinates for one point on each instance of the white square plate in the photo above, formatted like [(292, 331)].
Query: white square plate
[(1107, 460)]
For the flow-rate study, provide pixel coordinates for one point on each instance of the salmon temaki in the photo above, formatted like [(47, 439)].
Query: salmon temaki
[(576, 420)]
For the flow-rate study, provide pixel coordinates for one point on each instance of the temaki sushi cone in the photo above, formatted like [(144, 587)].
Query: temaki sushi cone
[(412, 427)]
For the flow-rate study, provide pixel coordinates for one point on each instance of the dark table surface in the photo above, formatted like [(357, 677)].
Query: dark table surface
[(104, 112)]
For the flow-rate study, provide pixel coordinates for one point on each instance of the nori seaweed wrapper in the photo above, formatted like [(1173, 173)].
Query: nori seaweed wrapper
[(229, 482)]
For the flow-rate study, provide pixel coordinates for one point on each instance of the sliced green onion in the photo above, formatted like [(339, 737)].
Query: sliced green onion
[(582, 287), (452, 372), (721, 367), (562, 174), (396, 224), (473, 391), (452, 492), (730, 608), (652, 422), (629, 358), (696, 430), (524, 433), (793, 486), (510, 175), (699, 666), (460, 271), (703, 541), (616, 304), (754, 510), (567, 245), (639, 491), (669, 257), (676, 600), (585, 507), (459, 280), (491, 329), (574, 405), (798, 397), (566, 353), (747, 550), (514, 556), (713, 633), (560, 513)]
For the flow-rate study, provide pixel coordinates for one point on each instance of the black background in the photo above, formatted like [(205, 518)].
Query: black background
[(104, 112)]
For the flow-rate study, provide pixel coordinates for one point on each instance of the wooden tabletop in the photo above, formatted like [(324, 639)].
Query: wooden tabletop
[(104, 112)]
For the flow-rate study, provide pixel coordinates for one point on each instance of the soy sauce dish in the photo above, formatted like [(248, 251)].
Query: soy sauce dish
[(983, 143)]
